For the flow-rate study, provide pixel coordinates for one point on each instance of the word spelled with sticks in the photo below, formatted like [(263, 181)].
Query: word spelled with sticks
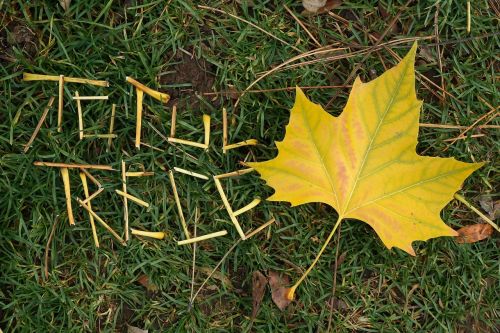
[(84, 169)]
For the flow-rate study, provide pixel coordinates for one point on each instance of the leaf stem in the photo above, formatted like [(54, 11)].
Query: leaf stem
[(475, 210), (291, 291)]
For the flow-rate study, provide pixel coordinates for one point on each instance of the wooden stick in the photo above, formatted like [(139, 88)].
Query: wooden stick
[(178, 203), (90, 98), (134, 199), (468, 16), (201, 238), (139, 173), (228, 208), (125, 201), (101, 221), (206, 125), (224, 130), (472, 126), (83, 177), (162, 97), (92, 178), (60, 103), (40, 77), (250, 142), (81, 166), (463, 137), (187, 142), (174, 118), (67, 193), (95, 194), (39, 125), (445, 126), (100, 136), (138, 125), (111, 125), (262, 227), (80, 116), (246, 208), (191, 173), (234, 173), (152, 234)]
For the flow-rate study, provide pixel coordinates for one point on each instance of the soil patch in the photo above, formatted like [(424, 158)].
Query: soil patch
[(191, 76)]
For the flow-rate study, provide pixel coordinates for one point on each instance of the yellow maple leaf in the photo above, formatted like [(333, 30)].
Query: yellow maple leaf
[(364, 164)]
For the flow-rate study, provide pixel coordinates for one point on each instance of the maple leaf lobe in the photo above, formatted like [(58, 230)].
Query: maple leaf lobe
[(364, 164)]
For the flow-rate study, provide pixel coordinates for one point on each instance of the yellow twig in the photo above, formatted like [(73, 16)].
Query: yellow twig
[(60, 103), (138, 125), (187, 142), (40, 77), (125, 202), (90, 98), (134, 199), (246, 208), (80, 116), (101, 221), (66, 165), (162, 97), (67, 193), (228, 208), (151, 234), (191, 173), (206, 125), (178, 203), (111, 125), (262, 227), (201, 238), (234, 173), (83, 177), (250, 142)]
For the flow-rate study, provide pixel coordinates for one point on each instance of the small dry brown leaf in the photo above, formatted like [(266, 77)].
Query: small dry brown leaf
[(65, 4), (259, 282), (314, 7), (279, 289), (490, 206), (144, 281), (474, 233), (133, 329)]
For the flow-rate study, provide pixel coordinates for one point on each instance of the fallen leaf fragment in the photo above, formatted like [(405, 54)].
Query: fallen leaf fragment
[(133, 329), (259, 282), (313, 7), (279, 289), (474, 233), (144, 281)]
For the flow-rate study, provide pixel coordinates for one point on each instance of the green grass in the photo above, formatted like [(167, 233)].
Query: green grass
[(448, 287)]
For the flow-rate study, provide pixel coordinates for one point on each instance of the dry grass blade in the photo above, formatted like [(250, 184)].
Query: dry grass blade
[(251, 24), (39, 125)]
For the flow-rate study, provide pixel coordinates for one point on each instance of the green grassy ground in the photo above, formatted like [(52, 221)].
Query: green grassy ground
[(446, 288)]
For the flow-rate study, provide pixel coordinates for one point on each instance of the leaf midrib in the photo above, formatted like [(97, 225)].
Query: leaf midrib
[(368, 149)]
